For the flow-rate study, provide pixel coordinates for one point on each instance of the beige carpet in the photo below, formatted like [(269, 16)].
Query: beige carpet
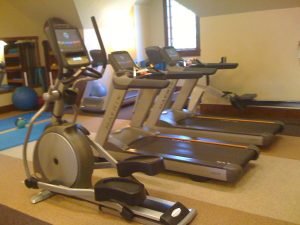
[(267, 194), (216, 203)]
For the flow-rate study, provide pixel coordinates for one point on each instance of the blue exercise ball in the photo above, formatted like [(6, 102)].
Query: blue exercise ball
[(97, 89), (25, 98)]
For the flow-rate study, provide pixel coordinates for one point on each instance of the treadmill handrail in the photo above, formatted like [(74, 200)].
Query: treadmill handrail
[(215, 65), (125, 82), (238, 119), (195, 74)]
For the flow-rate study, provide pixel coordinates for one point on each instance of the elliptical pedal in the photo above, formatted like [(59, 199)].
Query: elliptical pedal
[(120, 189), (150, 165)]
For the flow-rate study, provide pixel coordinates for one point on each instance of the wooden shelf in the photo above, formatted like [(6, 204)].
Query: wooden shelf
[(13, 68), (6, 89), (16, 81), (12, 55)]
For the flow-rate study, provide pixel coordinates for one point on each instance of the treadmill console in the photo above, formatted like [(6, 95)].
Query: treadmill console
[(167, 55), (121, 61), (154, 55), (171, 54), (66, 43), (123, 64), (172, 57)]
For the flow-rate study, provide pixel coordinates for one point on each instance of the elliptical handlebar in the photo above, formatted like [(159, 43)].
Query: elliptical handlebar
[(86, 71), (91, 72), (99, 38)]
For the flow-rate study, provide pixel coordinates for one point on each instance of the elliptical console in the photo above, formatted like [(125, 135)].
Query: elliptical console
[(66, 43), (63, 160)]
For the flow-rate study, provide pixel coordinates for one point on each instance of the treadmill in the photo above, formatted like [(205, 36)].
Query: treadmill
[(94, 100), (178, 120), (194, 157), (238, 101)]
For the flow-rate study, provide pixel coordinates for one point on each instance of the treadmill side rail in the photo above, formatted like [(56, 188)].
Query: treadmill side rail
[(168, 124), (217, 170)]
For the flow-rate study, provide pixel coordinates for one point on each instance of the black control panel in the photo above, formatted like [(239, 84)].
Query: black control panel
[(121, 60), (66, 43), (171, 54), (123, 64)]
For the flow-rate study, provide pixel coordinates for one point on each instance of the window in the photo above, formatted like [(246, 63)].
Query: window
[(181, 28)]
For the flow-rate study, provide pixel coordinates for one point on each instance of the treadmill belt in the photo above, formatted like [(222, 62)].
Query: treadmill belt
[(229, 126), (202, 152)]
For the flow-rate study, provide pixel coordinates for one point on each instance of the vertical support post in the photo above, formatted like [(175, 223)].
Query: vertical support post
[(160, 103), (116, 100), (184, 94), (143, 106)]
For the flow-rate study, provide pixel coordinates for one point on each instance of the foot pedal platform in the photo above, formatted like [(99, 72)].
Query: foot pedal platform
[(121, 190), (240, 101), (150, 165), (247, 97)]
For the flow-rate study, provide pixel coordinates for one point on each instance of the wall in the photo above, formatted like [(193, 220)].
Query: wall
[(149, 26), (26, 18), (13, 22), (264, 43), (115, 20), (12, 27), (142, 23)]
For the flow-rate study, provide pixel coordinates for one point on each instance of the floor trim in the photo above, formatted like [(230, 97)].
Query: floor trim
[(7, 108), (273, 113)]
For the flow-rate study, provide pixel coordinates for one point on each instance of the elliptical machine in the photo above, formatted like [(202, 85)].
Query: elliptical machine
[(63, 159)]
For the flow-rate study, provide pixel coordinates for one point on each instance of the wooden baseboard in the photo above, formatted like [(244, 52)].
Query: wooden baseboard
[(286, 114), (7, 108)]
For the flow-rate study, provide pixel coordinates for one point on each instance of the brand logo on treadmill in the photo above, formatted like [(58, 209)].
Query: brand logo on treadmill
[(222, 162), (176, 212)]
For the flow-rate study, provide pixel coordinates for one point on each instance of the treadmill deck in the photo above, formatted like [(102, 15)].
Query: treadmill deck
[(193, 152), (231, 126)]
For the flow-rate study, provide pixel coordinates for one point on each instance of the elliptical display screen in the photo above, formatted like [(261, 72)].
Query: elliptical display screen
[(124, 61), (68, 40)]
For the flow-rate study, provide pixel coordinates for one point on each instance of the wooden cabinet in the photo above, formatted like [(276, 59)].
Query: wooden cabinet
[(14, 68), (21, 60)]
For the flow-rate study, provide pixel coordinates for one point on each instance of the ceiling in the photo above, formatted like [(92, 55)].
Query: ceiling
[(40, 10), (205, 8)]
